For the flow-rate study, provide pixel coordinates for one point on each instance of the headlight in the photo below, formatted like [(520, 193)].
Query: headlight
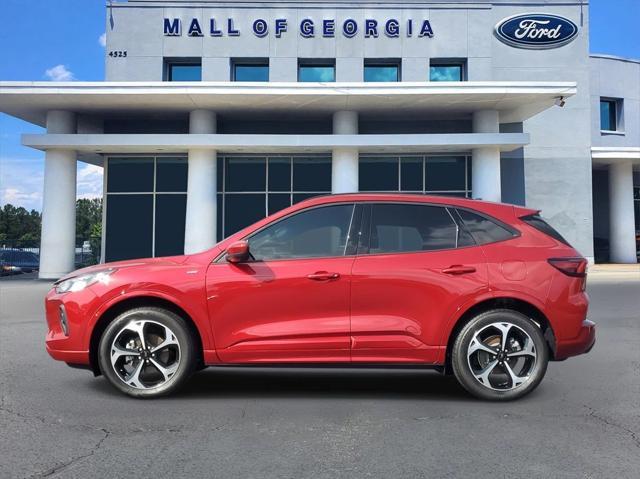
[(78, 283)]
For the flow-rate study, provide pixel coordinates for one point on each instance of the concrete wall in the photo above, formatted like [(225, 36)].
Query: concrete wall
[(554, 170)]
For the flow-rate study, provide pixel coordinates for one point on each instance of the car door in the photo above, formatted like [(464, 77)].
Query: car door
[(414, 269), (291, 302)]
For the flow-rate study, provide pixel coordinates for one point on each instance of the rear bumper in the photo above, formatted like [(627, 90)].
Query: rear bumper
[(73, 357), (581, 344)]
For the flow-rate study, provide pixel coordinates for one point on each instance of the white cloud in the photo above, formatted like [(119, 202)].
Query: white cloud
[(89, 181), (59, 73), (102, 40), (21, 182)]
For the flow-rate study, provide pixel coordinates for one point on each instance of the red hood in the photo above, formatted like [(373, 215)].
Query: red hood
[(168, 260)]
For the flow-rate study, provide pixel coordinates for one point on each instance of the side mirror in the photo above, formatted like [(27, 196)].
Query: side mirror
[(238, 252)]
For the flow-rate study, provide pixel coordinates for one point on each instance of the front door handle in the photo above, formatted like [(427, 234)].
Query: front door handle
[(323, 276), (459, 269)]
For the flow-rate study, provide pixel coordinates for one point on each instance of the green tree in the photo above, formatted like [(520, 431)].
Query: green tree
[(16, 223), (88, 215)]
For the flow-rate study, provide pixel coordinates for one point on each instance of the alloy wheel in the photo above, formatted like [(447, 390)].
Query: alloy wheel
[(502, 356), (145, 354)]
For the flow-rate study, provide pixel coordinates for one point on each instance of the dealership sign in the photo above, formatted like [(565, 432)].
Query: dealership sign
[(536, 31), (307, 28)]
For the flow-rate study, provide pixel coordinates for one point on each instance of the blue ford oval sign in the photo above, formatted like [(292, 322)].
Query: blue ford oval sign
[(536, 31)]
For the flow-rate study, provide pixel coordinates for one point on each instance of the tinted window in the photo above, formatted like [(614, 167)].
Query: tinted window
[(381, 73), (399, 228), (169, 231), (608, 115), (311, 174), (411, 174), (171, 174), (250, 72), (318, 232), (245, 174), (445, 173), (130, 175), (184, 72), (279, 174), (483, 229), (541, 225), (316, 73), (129, 226), (378, 174), (242, 210), (446, 72)]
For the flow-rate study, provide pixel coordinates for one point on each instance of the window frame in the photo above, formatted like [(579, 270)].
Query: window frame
[(351, 246), (169, 63), (249, 62), (317, 62), (365, 238), (382, 62), (450, 62), (618, 116)]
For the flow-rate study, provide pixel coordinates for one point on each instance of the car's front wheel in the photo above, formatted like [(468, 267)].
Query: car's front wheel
[(147, 352), (500, 355)]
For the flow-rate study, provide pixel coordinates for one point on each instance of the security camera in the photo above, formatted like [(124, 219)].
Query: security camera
[(560, 101)]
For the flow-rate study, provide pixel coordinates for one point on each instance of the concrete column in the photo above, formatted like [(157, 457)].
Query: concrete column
[(344, 166), (58, 234), (622, 231), (200, 221), (486, 160)]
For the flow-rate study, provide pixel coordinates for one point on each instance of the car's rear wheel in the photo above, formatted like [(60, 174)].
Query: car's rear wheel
[(500, 355), (147, 352)]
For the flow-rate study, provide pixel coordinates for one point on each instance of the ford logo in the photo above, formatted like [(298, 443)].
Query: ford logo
[(536, 31)]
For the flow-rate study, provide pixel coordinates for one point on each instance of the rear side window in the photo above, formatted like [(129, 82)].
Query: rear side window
[(401, 228), (538, 223), (483, 229)]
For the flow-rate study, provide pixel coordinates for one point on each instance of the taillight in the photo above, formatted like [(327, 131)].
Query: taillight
[(575, 267)]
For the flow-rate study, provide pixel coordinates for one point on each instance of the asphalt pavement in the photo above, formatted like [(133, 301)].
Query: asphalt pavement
[(582, 422)]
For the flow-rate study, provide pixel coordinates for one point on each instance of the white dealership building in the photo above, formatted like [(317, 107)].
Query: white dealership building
[(216, 113)]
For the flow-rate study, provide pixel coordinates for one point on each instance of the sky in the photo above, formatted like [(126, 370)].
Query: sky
[(63, 40)]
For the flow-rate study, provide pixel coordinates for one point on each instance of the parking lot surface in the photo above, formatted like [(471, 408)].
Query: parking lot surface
[(583, 420)]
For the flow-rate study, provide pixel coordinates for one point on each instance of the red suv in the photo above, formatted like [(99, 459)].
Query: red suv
[(486, 291)]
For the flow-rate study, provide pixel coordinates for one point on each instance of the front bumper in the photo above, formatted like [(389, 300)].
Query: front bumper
[(581, 344)]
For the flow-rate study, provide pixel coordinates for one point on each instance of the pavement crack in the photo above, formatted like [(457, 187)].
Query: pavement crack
[(65, 465), (594, 414)]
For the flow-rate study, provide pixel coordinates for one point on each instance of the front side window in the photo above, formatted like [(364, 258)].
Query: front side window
[(247, 70), (402, 228), (317, 71), (446, 71), (608, 115), (381, 71), (183, 70), (314, 233)]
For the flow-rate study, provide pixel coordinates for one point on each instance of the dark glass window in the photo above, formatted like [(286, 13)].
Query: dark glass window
[(446, 72), (242, 209), (378, 174), (483, 229), (129, 227), (245, 174), (312, 174), (608, 115), (278, 201), (316, 71), (279, 174), (445, 173), (397, 228), (171, 174), (184, 71), (298, 197), (381, 72), (541, 225), (251, 70), (317, 232), (130, 175), (411, 174), (170, 214)]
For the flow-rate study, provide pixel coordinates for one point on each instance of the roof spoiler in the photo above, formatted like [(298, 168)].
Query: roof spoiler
[(521, 211)]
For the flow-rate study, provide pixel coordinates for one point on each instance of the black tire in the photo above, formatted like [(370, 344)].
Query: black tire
[(462, 364), (182, 352)]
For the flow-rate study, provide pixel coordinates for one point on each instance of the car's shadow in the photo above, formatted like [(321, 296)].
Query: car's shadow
[(337, 383)]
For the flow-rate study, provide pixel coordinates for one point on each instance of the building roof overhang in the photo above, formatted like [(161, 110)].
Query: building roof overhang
[(515, 101), (607, 155)]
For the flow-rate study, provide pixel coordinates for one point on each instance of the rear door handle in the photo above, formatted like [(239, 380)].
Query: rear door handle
[(459, 269), (323, 276)]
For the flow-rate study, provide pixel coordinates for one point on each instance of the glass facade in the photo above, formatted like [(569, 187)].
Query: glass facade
[(442, 174), (145, 207), (381, 72), (608, 115), (250, 71), (446, 72), (316, 71), (252, 187), (183, 71)]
